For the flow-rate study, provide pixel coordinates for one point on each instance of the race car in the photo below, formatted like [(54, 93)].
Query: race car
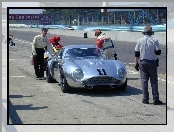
[(69, 28), (80, 66)]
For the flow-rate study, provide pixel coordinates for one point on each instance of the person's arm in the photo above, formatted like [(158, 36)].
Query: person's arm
[(137, 52), (137, 60), (137, 56), (34, 46), (99, 44), (157, 48)]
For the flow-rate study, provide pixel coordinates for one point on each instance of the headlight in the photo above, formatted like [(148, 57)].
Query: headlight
[(122, 73), (78, 74)]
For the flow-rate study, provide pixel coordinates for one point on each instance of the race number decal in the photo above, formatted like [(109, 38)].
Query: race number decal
[(101, 71)]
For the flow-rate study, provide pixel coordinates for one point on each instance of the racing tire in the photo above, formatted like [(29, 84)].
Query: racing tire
[(65, 88), (123, 87), (49, 78)]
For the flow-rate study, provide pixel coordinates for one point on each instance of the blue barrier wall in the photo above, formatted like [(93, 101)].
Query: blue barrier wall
[(156, 28)]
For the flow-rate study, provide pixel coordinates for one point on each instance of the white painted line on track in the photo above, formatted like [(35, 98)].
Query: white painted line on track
[(163, 80), (132, 63), (160, 79), (17, 76)]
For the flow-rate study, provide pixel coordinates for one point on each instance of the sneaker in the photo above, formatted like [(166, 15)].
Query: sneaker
[(145, 101), (157, 102), (42, 78), (37, 78)]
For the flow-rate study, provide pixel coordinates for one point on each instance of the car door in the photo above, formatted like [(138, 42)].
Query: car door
[(58, 64)]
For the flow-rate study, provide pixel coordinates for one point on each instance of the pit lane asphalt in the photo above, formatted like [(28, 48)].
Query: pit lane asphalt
[(37, 102), (125, 50)]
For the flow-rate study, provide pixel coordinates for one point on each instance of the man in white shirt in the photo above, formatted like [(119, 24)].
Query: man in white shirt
[(39, 43), (146, 50)]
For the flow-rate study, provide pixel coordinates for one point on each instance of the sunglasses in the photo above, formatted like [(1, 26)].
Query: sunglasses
[(45, 31)]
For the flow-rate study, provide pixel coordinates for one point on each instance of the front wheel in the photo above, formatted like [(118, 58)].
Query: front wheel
[(123, 87), (49, 78), (65, 88)]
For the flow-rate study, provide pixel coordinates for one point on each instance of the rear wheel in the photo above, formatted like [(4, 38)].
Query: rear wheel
[(49, 78)]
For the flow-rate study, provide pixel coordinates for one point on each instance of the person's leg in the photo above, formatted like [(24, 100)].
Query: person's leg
[(154, 83), (41, 64), (36, 66), (144, 80)]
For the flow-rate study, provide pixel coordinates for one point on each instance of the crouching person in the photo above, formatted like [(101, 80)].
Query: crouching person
[(55, 43), (105, 44)]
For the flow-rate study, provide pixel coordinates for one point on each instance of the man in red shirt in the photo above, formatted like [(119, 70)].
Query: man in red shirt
[(105, 44)]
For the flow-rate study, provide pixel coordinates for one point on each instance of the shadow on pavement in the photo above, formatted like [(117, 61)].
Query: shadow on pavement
[(19, 96), (13, 115), (105, 92)]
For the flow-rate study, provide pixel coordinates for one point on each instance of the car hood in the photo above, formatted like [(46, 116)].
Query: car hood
[(92, 63), (96, 67)]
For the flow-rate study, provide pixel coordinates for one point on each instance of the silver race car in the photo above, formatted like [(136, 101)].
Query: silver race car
[(87, 67)]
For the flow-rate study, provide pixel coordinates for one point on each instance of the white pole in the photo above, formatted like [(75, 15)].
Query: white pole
[(104, 4)]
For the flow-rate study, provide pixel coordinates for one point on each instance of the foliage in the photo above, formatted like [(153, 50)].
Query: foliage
[(75, 16)]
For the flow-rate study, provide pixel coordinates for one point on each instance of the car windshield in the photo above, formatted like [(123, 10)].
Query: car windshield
[(83, 52), (69, 27)]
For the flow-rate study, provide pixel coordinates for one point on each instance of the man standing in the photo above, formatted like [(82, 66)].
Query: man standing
[(146, 50), (39, 43), (105, 44)]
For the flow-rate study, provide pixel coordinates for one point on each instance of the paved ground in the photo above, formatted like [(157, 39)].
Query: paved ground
[(170, 58), (41, 103), (80, 107)]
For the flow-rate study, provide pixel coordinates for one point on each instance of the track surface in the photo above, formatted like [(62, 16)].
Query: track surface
[(37, 102)]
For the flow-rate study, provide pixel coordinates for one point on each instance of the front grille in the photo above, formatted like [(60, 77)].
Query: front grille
[(101, 80)]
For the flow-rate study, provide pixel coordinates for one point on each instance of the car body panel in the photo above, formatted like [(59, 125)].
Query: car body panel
[(97, 69)]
